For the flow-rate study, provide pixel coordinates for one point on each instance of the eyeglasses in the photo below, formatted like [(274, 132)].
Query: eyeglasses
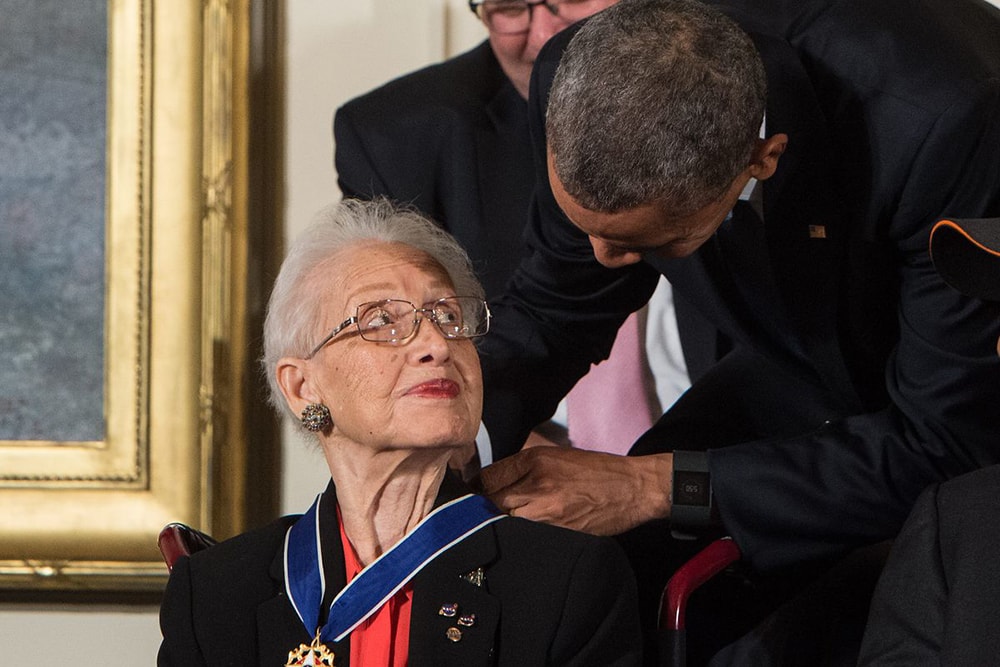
[(395, 320), (510, 17)]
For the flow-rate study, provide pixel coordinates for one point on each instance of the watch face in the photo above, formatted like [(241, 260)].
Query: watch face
[(691, 488)]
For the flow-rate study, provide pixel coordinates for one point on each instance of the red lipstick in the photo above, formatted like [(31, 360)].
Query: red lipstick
[(440, 388)]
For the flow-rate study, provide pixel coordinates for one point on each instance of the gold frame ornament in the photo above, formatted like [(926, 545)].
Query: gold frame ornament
[(84, 516)]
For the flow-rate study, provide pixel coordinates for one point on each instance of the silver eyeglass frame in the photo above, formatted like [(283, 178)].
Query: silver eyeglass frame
[(427, 311)]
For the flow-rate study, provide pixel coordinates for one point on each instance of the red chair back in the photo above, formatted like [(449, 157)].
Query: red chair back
[(178, 539)]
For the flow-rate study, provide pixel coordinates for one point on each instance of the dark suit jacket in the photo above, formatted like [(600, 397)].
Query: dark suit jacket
[(859, 377), (938, 598), (550, 596), (451, 139)]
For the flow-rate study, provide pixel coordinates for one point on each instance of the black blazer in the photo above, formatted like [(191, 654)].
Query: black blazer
[(452, 140), (937, 599), (550, 596), (858, 377)]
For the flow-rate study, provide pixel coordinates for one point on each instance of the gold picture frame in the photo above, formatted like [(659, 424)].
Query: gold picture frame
[(179, 384)]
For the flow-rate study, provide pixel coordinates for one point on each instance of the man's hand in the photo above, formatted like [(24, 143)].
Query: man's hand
[(603, 494)]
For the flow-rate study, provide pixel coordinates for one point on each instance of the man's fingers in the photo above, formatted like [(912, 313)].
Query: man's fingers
[(503, 473), (589, 491)]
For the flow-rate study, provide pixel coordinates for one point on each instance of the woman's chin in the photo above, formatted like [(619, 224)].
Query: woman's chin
[(429, 429)]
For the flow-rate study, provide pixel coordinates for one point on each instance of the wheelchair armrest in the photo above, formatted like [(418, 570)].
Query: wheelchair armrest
[(178, 539), (704, 565), (700, 568)]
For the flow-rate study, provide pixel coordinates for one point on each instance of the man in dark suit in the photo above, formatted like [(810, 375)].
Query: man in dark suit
[(858, 377), (938, 598), (452, 140)]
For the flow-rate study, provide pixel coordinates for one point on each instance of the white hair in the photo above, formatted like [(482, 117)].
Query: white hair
[(293, 314)]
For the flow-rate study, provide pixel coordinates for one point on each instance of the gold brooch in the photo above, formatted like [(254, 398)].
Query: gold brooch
[(477, 577)]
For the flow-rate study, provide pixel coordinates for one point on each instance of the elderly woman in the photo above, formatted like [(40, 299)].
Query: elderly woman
[(368, 342)]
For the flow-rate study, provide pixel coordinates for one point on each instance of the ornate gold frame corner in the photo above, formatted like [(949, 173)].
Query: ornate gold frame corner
[(84, 516)]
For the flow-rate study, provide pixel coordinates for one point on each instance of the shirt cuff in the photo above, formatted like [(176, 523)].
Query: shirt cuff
[(484, 445)]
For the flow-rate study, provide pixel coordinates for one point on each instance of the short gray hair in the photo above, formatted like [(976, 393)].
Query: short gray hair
[(293, 314), (655, 100)]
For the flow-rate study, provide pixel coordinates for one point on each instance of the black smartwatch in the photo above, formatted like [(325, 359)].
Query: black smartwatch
[(692, 509)]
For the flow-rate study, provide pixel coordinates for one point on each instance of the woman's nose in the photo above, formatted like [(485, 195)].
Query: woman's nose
[(428, 343)]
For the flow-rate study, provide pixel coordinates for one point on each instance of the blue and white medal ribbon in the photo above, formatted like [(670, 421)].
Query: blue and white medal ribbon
[(305, 582)]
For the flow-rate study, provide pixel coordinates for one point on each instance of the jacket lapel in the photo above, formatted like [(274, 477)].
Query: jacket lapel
[(803, 228), (279, 629), (446, 585), (804, 214), (453, 621)]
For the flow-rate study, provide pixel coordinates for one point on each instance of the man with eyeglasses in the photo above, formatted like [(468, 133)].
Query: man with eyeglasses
[(452, 140), (519, 28)]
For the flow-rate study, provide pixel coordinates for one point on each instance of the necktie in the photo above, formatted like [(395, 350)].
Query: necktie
[(610, 406)]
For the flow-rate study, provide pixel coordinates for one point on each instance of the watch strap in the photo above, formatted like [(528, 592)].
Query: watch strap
[(692, 501)]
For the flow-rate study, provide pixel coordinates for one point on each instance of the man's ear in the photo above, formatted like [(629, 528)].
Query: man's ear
[(764, 160), (294, 379)]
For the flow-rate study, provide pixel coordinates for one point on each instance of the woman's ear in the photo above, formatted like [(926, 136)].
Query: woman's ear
[(294, 380), (766, 153)]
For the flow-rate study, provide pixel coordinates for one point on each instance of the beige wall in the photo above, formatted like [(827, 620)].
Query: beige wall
[(336, 50)]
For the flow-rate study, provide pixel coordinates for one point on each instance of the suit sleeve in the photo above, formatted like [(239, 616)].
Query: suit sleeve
[(599, 624), (179, 647), (906, 621), (357, 173), (561, 309), (854, 480)]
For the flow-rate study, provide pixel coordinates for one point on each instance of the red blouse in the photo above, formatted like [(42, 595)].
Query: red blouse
[(383, 640)]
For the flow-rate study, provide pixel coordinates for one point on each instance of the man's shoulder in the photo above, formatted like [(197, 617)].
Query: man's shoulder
[(928, 51), (940, 49), (470, 79), (963, 511), (975, 491)]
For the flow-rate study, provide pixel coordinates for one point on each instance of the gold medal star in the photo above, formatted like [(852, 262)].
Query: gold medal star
[(315, 654)]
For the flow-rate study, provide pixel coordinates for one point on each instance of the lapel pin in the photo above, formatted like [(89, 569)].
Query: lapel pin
[(454, 634), (467, 620), (817, 231), (448, 609), (476, 577)]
